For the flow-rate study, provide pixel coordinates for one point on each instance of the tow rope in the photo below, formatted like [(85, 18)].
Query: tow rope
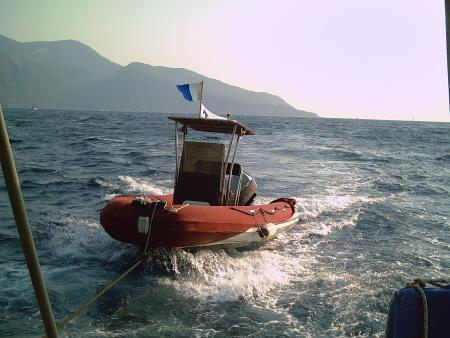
[(155, 205), (73, 314), (83, 306)]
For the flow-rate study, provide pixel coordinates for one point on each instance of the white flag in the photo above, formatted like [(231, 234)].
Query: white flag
[(206, 114)]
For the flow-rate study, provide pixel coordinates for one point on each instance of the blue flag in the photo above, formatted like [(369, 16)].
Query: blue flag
[(191, 91)]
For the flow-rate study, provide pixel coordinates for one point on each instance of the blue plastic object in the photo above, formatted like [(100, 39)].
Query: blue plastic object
[(405, 318)]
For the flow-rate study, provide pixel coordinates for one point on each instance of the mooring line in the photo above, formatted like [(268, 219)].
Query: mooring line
[(419, 284)]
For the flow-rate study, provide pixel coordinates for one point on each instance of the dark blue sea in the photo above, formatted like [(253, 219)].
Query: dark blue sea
[(374, 200)]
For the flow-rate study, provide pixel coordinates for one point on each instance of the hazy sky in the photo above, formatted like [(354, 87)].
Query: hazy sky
[(382, 59)]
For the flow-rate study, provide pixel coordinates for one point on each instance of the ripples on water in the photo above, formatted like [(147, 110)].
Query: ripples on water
[(373, 198)]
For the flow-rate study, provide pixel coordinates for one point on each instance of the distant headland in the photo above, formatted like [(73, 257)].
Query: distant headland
[(70, 75)]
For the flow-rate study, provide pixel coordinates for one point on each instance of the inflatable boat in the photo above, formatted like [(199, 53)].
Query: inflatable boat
[(212, 202)]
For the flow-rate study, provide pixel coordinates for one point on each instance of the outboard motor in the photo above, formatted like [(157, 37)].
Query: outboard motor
[(248, 188)]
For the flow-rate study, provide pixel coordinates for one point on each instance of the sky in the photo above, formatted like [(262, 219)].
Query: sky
[(377, 59)]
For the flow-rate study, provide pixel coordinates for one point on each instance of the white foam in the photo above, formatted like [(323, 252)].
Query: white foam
[(221, 276), (326, 227), (84, 238), (141, 186), (111, 140), (104, 183), (260, 200), (99, 138), (312, 207), (229, 275), (109, 197)]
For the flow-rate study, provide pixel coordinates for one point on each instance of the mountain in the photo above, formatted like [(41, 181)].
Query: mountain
[(70, 75)]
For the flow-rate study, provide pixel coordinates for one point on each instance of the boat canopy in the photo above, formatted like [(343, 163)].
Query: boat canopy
[(214, 126)]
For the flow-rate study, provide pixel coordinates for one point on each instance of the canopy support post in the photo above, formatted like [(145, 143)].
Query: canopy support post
[(176, 155), (23, 228), (231, 170), (226, 165), (201, 99)]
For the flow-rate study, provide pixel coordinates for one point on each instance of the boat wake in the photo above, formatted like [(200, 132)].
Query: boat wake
[(313, 207), (235, 275), (257, 276), (222, 275)]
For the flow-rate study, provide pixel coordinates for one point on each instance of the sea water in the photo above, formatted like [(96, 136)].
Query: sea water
[(374, 204)]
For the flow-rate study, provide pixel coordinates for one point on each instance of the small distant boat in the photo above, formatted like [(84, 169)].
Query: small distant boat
[(34, 108), (211, 205)]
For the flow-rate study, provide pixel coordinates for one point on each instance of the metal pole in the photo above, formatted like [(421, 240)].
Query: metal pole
[(225, 183), (231, 170), (447, 29), (23, 228), (176, 156), (201, 98)]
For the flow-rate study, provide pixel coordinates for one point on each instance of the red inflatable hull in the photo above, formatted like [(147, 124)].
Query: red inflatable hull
[(194, 225)]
